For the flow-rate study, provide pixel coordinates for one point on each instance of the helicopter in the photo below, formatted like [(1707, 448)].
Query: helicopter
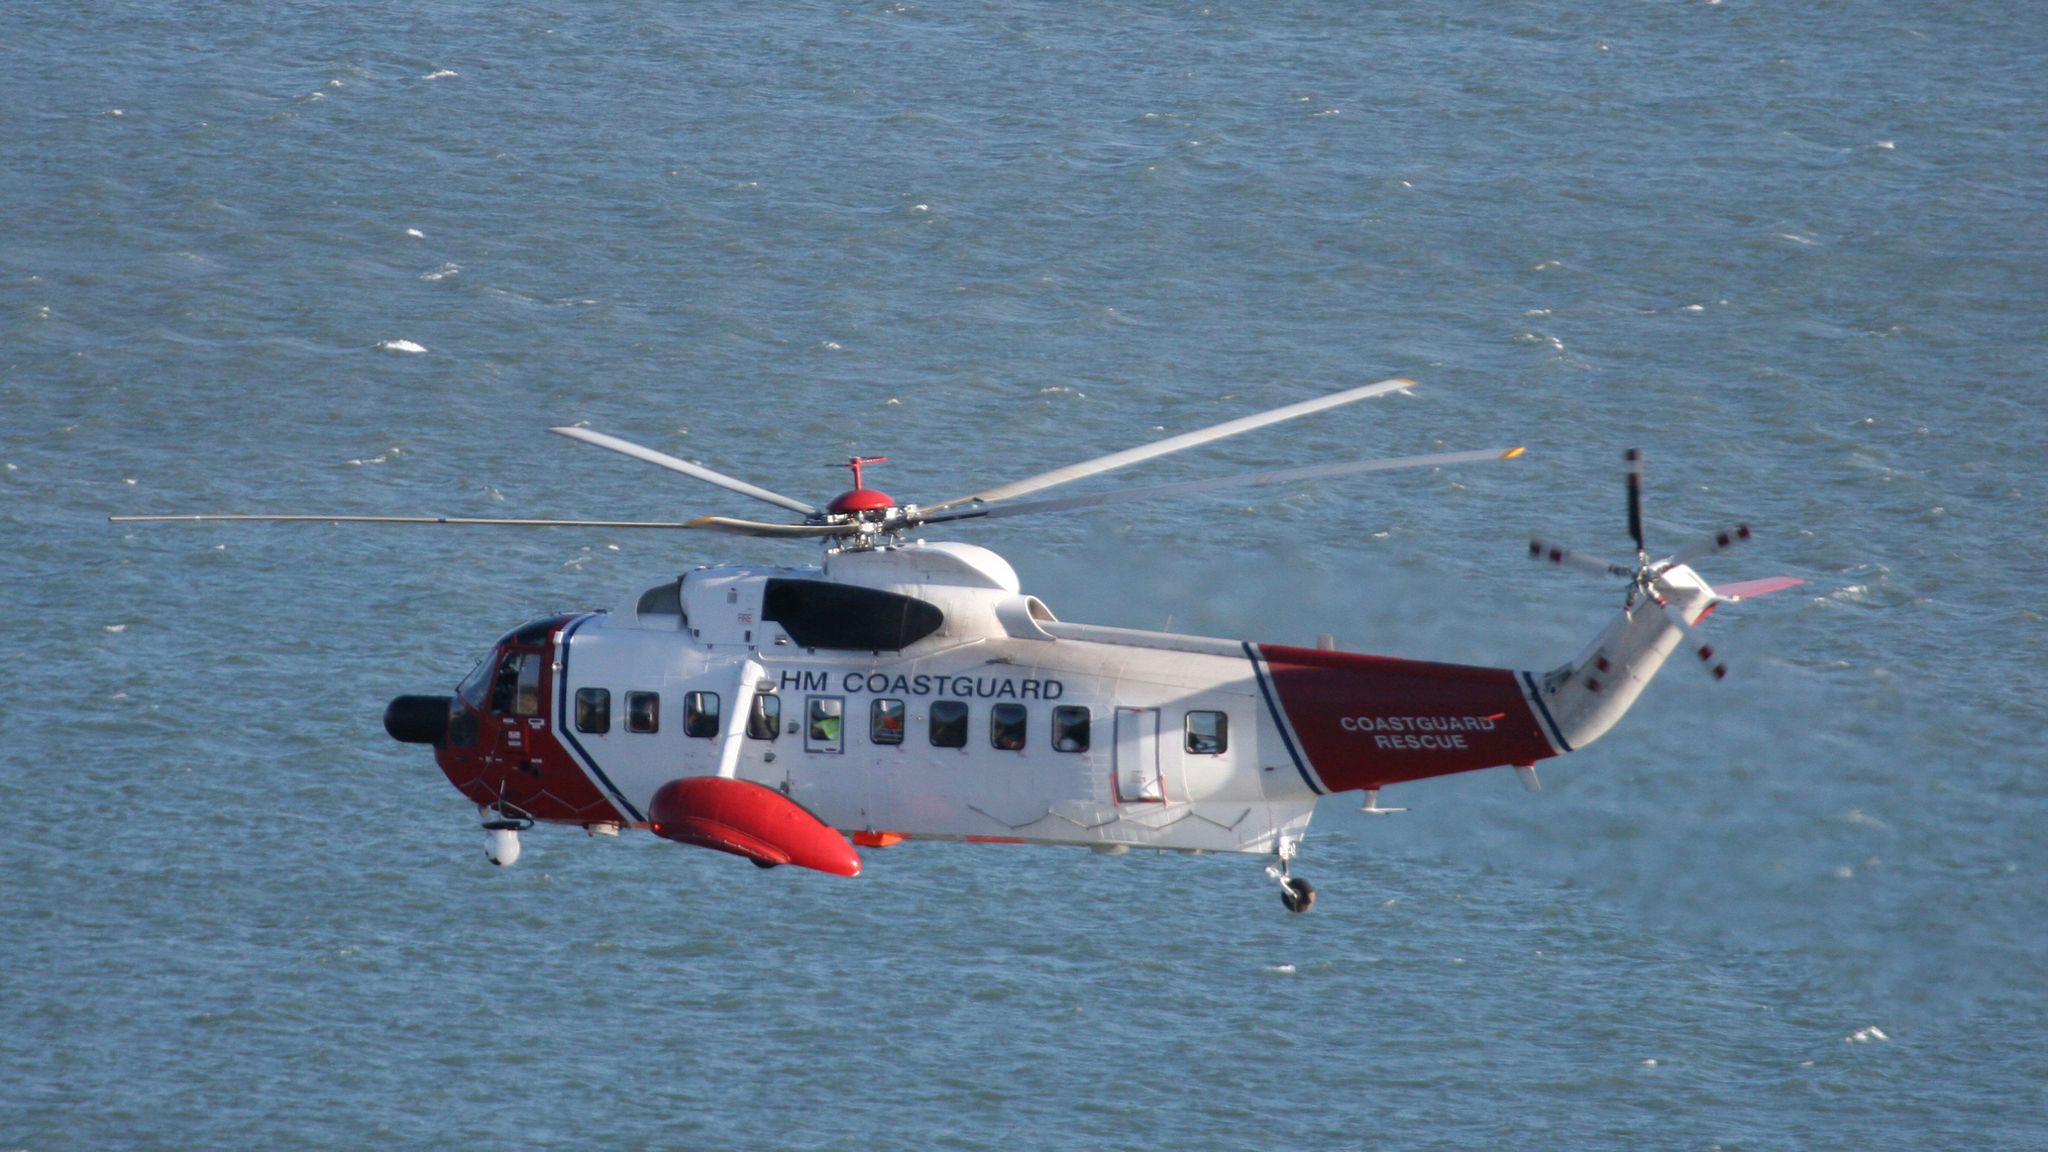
[(907, 689)]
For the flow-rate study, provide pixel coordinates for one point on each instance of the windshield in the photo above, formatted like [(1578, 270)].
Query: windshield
[(472, 689)]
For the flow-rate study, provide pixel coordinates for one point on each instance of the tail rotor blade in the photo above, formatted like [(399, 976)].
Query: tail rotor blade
[(1720, 541), (1576, 561), (1634, 457), (1709, 660)]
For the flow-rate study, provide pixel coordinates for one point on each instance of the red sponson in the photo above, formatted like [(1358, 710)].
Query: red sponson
[(746, 819)]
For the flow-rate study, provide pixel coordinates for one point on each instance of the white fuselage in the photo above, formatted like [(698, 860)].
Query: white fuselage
[(1070, 734)]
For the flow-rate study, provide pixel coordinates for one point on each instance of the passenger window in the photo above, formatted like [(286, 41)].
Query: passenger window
[(700, 714), (765, 717), (593, 710), (1006, 727), (825, 732), (885, 722), (949, 724), (1208, 733), (1069, 728), (643, 711)]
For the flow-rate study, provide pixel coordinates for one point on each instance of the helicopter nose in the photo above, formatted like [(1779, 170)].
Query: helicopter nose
[(418, 719)]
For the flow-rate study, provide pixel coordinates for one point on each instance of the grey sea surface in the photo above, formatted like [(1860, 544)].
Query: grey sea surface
[(355, 259)]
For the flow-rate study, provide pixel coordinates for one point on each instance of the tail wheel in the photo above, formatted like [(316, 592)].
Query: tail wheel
[(1299, 895)]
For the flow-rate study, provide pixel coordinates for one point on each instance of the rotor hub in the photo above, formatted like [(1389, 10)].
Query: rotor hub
[(860, 500)]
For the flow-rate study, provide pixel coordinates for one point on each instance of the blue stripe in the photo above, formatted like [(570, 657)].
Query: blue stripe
[(565, 723), (1536, 698), (1280, 720)]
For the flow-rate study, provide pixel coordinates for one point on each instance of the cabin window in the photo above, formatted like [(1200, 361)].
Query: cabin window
[(1208, 733), (700, 714), (824, 730), (764, 718), (949, 724), (1069, 728), (643, 711), (885, 722), (594, 710), (1006, 727)]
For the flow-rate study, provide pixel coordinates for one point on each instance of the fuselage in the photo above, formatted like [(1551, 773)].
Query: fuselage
[(914, 692)]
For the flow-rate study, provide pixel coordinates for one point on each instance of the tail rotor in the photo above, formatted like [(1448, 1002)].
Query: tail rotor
[(1669, 582)]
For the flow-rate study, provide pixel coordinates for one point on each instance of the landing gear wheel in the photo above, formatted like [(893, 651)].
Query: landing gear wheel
[(1299, 895), (763, 865)]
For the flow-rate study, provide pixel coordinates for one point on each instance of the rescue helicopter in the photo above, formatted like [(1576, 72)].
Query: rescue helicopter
[(910, 689)]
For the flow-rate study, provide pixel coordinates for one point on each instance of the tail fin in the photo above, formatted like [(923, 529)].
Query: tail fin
[(1584, 698)]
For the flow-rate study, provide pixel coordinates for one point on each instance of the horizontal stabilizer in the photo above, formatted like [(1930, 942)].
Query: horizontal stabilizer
[(1751, 589)]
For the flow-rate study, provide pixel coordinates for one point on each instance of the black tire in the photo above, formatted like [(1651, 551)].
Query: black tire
[(764, 865), (1299, 895)]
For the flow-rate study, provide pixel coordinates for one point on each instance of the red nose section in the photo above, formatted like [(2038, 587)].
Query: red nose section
[(745, 819)]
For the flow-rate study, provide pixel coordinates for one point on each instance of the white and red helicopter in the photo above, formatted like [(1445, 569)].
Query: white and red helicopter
[(911, 690)]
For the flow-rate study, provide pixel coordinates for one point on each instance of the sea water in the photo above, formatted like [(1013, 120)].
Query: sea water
[(357, 259)]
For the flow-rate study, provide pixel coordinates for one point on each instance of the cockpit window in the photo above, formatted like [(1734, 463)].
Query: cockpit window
[(476, 684), (516, 687), (527, 701)]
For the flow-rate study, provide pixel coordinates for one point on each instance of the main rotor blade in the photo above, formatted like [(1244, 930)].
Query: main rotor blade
[(685, 467), (460, 520), (1252, 480), (1131, 456), (734, 527)]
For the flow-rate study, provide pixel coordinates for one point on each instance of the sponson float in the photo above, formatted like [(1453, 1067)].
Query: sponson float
[(911, 690)]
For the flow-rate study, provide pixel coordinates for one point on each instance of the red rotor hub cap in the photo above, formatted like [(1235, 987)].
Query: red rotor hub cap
[(860, 500)]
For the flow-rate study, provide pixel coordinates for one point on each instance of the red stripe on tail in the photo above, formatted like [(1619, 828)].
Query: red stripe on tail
[(1368, 721)]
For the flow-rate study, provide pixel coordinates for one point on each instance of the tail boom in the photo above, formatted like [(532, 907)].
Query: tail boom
[(1357, 721)]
